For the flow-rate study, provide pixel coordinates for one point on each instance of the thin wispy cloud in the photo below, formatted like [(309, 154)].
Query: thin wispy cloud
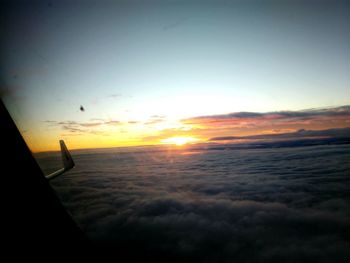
[(173, 25), (72, 129), (83, 127), (114, 96), (111, 122), (155, 119)]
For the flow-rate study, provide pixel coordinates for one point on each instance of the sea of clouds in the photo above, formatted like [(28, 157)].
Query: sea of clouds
[(214, 205)]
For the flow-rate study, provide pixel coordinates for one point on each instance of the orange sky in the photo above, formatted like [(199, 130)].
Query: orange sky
[(161, 130)]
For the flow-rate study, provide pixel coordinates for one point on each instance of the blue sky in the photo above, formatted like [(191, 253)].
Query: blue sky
[(129, 61)]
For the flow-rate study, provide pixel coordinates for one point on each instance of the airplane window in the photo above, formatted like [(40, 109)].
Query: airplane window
[(210, 131)]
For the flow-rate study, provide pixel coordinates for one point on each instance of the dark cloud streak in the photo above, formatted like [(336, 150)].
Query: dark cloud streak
[(329, 133), (338, 111)]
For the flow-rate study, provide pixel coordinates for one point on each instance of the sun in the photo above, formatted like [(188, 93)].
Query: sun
[(179, 141)]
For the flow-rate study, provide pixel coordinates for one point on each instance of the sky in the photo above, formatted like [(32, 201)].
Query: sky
[(153, 72)]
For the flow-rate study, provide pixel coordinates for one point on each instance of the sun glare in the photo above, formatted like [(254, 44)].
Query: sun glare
[(179, 140)]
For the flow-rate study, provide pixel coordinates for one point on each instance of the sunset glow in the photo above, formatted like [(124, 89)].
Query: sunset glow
[(179, 140), (164, 74)]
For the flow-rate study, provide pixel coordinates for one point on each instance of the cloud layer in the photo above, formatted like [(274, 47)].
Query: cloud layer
[(274, 205)]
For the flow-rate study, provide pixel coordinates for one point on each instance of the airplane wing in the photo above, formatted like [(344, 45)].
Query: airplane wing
[(67, 160)]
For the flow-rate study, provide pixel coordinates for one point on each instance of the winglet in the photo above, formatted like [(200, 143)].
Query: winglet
[(67, 160)]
